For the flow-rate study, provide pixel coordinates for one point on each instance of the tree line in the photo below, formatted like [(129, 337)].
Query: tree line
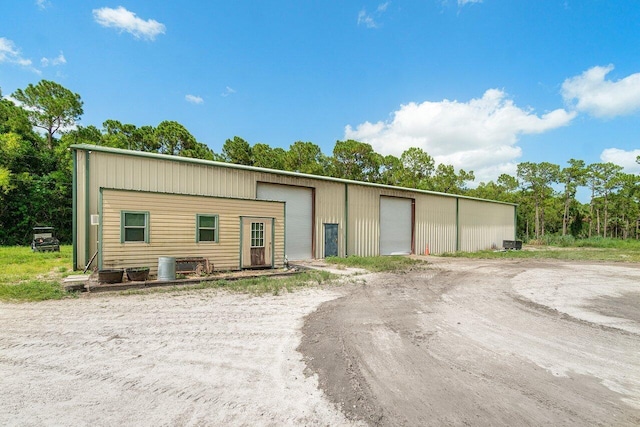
[(36, 171)]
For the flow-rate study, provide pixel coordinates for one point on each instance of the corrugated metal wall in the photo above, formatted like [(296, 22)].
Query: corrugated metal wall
[(435, 224), (172, 228), (435, 220), (485, 225), (481, 223), (131, 172)]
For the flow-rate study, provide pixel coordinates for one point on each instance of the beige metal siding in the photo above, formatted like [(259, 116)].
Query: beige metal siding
[(120, 171), (435, 215), (484, 225), (329, 205), (172, 228), (435, 224), (364, 217), (435, 221)]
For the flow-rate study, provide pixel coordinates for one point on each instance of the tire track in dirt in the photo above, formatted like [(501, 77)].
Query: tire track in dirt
[(454, 346)]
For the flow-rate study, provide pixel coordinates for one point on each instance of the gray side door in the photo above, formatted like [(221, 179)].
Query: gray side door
[(330, 240)]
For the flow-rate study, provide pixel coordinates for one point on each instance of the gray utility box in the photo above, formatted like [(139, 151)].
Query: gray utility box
[(512, 244)]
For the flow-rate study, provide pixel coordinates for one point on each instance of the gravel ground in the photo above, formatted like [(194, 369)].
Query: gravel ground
[(463, 342), (184, 359)]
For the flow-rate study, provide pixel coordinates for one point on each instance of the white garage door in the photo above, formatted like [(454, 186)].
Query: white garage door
[(298, 217), (395, 226)]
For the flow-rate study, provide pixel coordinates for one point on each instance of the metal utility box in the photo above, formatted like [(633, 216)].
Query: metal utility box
[(512, 244)]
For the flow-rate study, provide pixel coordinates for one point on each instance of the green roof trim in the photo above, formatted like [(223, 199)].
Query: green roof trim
[(167, 157)]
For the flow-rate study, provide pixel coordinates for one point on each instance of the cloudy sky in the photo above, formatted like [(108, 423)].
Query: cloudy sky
[(480, 84)]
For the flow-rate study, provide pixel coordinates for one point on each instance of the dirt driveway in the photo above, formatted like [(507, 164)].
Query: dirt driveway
[(464, 342), (472, 342)]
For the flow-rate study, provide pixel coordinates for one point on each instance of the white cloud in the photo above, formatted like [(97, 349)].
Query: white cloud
[(368, 19), (592, 94), (58, 60), (228, 91), (194, 99), (479, 135), (43, 4), (382, 7), (125, 20), (626, 159), (10, 54), (465, 2)]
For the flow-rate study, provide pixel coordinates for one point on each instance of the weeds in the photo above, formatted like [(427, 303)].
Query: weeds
[(567, 248), (376, 263), (254, 286)]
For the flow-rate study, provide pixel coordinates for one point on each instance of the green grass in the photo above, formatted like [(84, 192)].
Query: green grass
[(376, 263), (254, 286), (33, 276), (612, 250)]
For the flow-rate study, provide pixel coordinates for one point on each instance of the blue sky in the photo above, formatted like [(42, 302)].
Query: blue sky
[(482, 85)]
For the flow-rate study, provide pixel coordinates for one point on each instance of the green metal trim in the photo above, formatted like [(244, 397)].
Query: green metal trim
[(285, 230), (273, 242), (99, 242), (147, 225), (241, 242), (74, 209), (216, 234), (87, 214), (346, 219), (167, 157), (457, 224), (515, 222)]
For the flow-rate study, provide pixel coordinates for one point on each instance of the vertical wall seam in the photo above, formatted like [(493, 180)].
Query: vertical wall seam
[(346, 220), (457, 224)]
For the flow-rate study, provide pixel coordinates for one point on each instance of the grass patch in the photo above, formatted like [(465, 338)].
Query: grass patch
[(33, 290), (376, 263), (33, 276), (585, 253), (255, 285)]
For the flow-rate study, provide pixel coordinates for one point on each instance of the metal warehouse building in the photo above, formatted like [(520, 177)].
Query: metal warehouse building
[(131, 207)]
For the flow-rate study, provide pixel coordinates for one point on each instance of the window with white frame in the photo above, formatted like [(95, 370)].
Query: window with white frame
[(257, 234)]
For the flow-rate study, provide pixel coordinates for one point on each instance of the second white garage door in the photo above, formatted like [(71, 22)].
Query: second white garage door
[(298, 217), (395, 226)]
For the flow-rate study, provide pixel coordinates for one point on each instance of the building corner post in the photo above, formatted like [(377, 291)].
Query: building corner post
[(74, 208)]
